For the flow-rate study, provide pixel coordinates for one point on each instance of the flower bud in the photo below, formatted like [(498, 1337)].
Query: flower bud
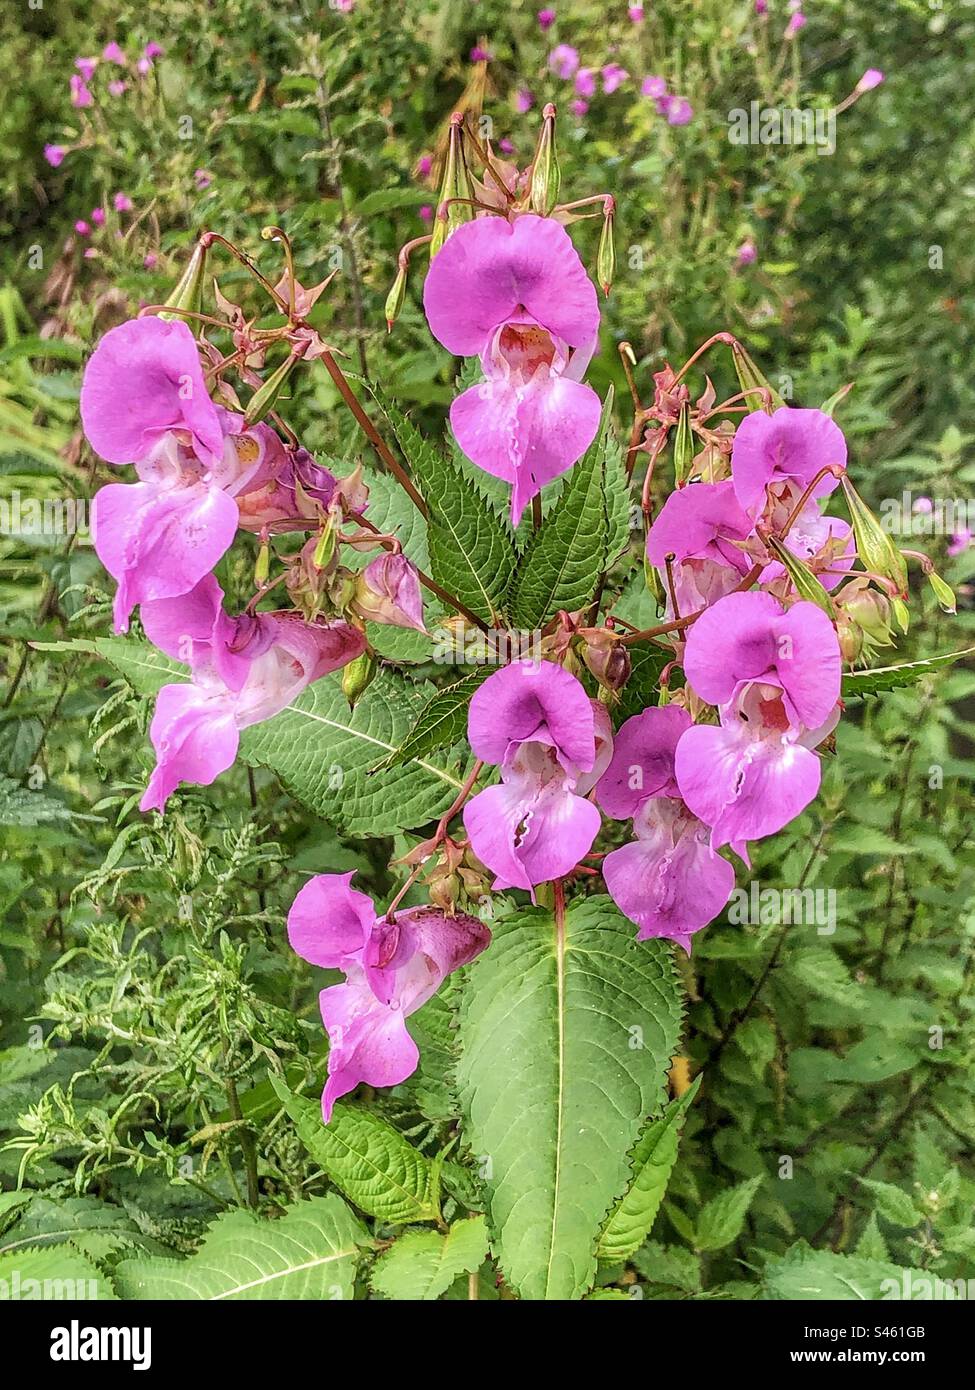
[(683, 446), (396, 297), (607, 658), (850, 637), (456, 184), (875, 548), (187, 294), (869, 612), (750, 378), (606, 255), (265, 397), (388, 591), (805, 583)]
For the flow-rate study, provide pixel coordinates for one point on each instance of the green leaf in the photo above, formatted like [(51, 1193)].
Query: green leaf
[(564, 560), (310, 1253), (654, 1157), (722, 1219), (819, 1275), (367, 1158), (390, 199), (442, 721), (880, 678), (422, 1264), (472, 553), (53, 1274), (892, 1203), (871, 1245), (145, 668), (21, 806), (598, 1014)]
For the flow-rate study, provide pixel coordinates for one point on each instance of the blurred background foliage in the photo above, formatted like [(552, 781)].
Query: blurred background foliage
[(134, 1108)]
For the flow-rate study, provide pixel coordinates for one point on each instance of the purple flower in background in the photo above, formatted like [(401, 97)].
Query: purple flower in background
[(517, 295), (668, 880), (54, 154), (426, 212), (150, 260), (112, 53), (480, 55), (423, 165), (761, 7), (143, 67), (152, 50), (388, 591), (82, 227), (775, 676), (635, 13), (563, 61), (524, 101), (585, 83), (202, 178), (392, 967), (122, 202), (244, 670), (98, 216), (960, 541), (653, 87), (746, 254), (613, 77), (870, 79), (551, 743), (117, 87), (788, 447), (86, 66), (678, 110), (578, 107), (80, 95), (796, 22), (546, 18), (506, 146)]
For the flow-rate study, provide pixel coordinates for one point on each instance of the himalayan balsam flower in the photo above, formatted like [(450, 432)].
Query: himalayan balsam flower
[(244, 670), (112, 53), (121, 202), (788, 447), (774, 675), (551, 742), (701, 526), (481, 55), (546, 18), (391, 968), (678, 110), (82, 227), (86, 66), (516, 295), (98, 216), (54, 154), (564, 61), (653, 87), (585, 83), (668, 880), (423, 165)]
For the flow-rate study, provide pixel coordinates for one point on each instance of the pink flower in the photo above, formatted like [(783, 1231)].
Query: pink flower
[(960, 541), (80, 95), (796, 22), (870, 79), (679, 110), (506, 146), (563, 61), (150, 260), (761, 7), (524, 101), (785, 449), (152, 50), (86, 66), (552, 743), (635, 13), (143, 67), (90, 253), (585, 83), (117, 87), (775, 676), (203, 178), (701, 526), (653, 87), (122, 202), (392, 967), (516, 295), (388, 591), (746, 254), (244, 670), (668, 880), (112, 53), (98, 216), (82, 227), (481, 55), (423, 165), (578, 107), (54, 154), (613, 77), (426, 212), (546, 18)]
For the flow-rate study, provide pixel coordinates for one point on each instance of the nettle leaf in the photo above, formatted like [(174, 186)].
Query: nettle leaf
[(892, 1203), (310, 1253), (563, 561), (442, 721), (881, 678), (654, 1157), (422, 1265), (722, 1220), (599, 1015), (146, 669), (394, 513), (472, 552), (58, 1273), (366, 1157), (818, 1275)]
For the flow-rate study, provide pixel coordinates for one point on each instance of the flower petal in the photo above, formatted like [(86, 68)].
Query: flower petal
[(330, 921)]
